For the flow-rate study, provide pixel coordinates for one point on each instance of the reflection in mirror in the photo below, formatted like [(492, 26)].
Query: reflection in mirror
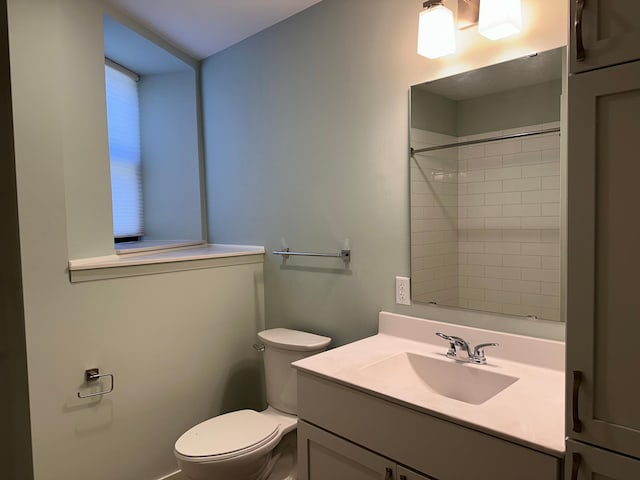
[(485, 188)]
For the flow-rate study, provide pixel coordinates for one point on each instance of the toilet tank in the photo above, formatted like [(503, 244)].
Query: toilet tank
[(282, 347)]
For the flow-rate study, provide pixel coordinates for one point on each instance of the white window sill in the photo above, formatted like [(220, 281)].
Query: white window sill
[(163, 261)]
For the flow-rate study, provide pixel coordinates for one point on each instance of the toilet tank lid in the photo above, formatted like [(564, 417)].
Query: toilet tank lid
[(293, 339)]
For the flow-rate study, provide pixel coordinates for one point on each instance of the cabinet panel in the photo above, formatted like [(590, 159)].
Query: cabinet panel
[(603, 304), (610, 33), (406, 474), (590, 463), (322, 456), (420, 441)]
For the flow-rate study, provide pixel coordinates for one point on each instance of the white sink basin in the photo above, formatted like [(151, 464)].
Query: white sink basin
[(459, 381)]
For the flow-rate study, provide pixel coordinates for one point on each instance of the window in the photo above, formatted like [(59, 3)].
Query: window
[(123, 120)]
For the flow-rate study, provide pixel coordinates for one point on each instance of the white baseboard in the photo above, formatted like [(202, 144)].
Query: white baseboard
[(174, 476)]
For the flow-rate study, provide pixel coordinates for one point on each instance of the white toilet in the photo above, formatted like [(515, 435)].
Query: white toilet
[(250, 445)]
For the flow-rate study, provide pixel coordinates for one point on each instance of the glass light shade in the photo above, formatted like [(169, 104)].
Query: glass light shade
[(499, 18), (436, 32)]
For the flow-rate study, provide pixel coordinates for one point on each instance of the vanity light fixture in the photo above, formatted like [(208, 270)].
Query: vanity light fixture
[(436, 30), (496, 19), (500, 18)]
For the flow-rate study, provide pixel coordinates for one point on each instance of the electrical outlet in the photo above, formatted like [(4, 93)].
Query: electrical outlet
[(403, 290)]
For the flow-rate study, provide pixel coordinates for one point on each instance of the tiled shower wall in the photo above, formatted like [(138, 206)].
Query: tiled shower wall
[(507, 244)]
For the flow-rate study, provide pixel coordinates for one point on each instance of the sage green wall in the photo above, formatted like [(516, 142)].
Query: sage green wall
[(179, 344), (170, 160), (515, 108), (519, 107), (433, 113), (306, 134), (15, 440)]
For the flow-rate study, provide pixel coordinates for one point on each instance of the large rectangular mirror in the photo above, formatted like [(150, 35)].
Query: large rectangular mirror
[(486, 188)]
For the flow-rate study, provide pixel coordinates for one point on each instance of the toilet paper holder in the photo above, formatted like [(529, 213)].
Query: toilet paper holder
[(92, 375)]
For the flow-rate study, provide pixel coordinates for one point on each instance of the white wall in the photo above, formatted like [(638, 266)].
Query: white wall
[(306, 127), (179, 344)]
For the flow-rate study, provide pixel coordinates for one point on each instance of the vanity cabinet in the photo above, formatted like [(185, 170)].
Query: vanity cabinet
[(323, 456), (603, 302), (362, 436), (610, 31), (589, 463)]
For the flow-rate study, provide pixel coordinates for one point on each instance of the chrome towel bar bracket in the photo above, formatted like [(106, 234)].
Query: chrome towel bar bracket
[(343, 254), (93, 374)]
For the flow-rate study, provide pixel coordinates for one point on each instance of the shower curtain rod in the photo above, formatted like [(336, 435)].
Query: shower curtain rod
[(484, 140)]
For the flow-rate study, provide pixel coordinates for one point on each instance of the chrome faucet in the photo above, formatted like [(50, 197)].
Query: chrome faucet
[(455, 343)]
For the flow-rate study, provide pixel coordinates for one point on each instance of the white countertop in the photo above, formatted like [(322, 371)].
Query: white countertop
[(529, 412)]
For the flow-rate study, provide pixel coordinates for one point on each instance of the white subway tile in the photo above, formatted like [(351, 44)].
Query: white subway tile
[(540, 275), (472, 293), (507, 273), (485, 306), (548, 288), (471, 176), (524, 261), (484, 162), (504, 147), (471, 270), (470, 223), (471, 151), (503, 173), (484, 259), (484, 282), (541, 196), (551, 183), (485, 211), (521, 210), (521, 235), (544, 170), (552, 155), (521, 185), (471, 247), (484, 187), (499, 296), (551, 263), (521, 286), (542, 142), (502, 222), (471, 200), (546, 301), (521, 159), (509, 198), (550, 210), (504, 248), (540, 222), (522, 310), (550, 314), (548, 249)]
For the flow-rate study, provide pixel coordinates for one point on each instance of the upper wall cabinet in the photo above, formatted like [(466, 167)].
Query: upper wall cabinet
[(604, 33)]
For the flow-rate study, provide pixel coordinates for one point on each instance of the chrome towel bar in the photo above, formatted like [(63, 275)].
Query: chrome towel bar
[(343, 254)]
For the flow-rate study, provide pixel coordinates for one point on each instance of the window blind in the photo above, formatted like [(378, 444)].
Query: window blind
[(123, 122)]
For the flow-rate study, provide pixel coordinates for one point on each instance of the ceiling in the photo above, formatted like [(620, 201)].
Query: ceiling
[(201, 28)]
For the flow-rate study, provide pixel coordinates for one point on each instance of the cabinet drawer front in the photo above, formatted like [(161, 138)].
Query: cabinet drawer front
[(610, 33), (427, 444), (590, 463)]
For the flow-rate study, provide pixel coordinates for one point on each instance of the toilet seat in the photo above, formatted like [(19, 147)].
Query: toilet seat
[(227, 436)]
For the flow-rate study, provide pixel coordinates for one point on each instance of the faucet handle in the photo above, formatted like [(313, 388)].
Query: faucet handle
[(478, 352), (452, 343)]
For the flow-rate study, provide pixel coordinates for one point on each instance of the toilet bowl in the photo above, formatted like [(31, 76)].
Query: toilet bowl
[(250, 445)]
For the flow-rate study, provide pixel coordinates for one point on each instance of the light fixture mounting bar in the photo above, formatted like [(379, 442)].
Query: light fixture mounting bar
[(468, 12)]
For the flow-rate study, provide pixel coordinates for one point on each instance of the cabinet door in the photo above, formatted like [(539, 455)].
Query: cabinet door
[(323, 456), (610, 33), (406, 474), (590, 463), (603, 298)]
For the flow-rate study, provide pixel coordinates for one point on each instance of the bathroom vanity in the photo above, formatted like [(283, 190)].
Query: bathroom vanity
[(394, 407)]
